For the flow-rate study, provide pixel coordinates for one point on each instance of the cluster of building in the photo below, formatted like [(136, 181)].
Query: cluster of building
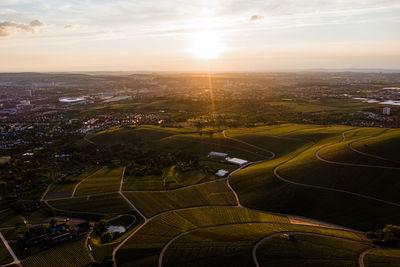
[(106, 121), (49, 235), (221, 155)]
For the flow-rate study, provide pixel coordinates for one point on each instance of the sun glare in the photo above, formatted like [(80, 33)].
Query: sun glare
[(206, 45)]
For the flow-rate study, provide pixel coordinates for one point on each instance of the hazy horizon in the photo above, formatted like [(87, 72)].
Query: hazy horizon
[(224, 35)]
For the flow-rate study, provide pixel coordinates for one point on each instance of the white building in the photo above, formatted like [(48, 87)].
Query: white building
[(236, 161), (386, 111), (221, 173), (217, 154)]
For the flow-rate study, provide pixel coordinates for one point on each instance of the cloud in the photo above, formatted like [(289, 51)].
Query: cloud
[(68, 26), (9, 27), (256, 17)]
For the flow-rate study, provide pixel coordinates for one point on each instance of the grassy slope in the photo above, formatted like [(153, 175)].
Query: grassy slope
[(151, 203), (65, 188), (387, 258), (144, 247), (230, 244), (106, 180), (259, 188), (386, 145), (107, 203), (309, 251), (72, 253)]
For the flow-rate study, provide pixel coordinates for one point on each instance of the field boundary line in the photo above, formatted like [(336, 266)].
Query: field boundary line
[(76, 186), (126, 199), (166, 246), (363, 254), (16, 260), (368, 154), (347, 163)]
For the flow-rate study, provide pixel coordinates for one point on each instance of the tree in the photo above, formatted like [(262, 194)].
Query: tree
[(106, 237)]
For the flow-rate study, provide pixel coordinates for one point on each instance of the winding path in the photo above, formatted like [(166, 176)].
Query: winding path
[(363, 254)]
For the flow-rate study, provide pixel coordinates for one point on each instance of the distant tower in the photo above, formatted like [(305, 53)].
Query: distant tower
[(386, 111), (28, 93)]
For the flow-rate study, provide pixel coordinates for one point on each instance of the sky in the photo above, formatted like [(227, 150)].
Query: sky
[(216, 35)]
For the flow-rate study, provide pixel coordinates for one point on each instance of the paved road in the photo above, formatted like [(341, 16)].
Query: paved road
[(16, 260), (255, 247)]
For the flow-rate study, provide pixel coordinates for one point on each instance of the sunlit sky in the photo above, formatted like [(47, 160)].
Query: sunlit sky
[(177, 35)]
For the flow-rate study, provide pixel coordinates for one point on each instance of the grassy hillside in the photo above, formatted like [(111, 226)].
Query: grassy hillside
[(151, 203), (106, 180), (385, 145), (144, 247), (307, 250), (387, 258), (258, 187)]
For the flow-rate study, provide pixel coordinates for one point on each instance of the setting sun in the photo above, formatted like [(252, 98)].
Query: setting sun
[(206, 45)]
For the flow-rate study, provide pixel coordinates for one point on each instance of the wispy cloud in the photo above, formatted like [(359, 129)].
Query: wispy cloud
[(256, 17), (9, 27)]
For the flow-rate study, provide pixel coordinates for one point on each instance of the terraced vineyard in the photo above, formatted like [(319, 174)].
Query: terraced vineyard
[(250, 217), (383, 257), (103, 203), (309, 250), (72, 253), (151, 203), (104, 181)]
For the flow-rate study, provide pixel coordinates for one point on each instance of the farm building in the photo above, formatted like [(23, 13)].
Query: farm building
[(236, 161), (221, 173), (217, 154)]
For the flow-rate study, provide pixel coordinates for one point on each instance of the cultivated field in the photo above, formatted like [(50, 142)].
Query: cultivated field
[(307, 250), (72, 253), (104, 181), (111, 203), (151, 203)]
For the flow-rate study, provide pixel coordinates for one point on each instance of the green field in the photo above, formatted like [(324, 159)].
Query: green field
[(151, 203), (104, 181), (111, 203), (387, 258), (72, 253), (143, 248), (385, 145), (306, 250)]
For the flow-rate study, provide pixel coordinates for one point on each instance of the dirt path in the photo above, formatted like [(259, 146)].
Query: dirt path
[(346, 163), (76, 186), (166, 246), (368, 154), (362, 255), (16, 260)]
